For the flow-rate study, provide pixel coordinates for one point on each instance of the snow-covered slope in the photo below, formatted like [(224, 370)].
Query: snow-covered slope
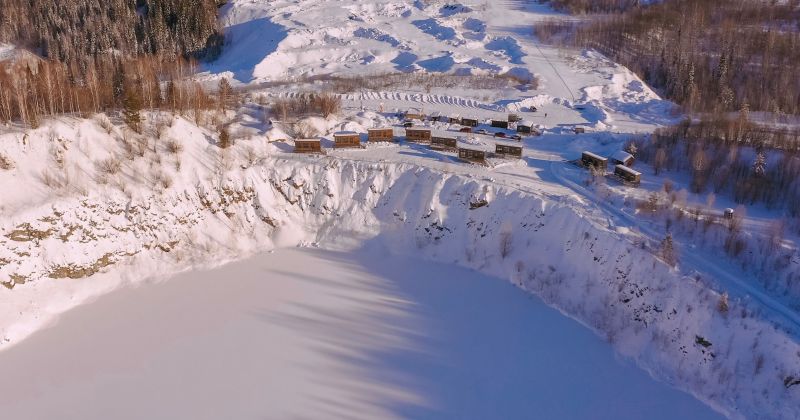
[(220, 205)]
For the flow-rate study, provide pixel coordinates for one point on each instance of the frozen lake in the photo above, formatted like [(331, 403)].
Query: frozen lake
[(309, 334)]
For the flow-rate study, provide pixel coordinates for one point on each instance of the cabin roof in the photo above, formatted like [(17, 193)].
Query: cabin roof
[(624, 168), (345, 133), (594, 156), (307, 140), (621, 156), (380, 129), (527, 123)]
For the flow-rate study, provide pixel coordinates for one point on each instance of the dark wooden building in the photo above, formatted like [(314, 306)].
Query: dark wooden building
[(514, 118), (444, 143), (418, 135), (380, 134), (472, 155), (591, 159), (579, 130), (508, 151), (622, 158), (499, 124), (308, 146), (526, 127), (627, 174), (346, 139), (470, 122), (454, 119)]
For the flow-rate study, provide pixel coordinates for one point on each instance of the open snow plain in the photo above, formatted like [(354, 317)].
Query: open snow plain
[(311, 334)]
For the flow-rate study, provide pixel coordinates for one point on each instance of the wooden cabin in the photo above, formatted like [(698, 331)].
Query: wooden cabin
[(627, 174), (499, 124), (579, 130), (508, 151), (308, 146), (526, 127), (728, 213), (469, 122), (591, 159), (346, 139), (622, 158), (418, 135), (435, 116), (444, 143), (512, 118), (415, 114), (454, 119), (380, 134), (472, 155)]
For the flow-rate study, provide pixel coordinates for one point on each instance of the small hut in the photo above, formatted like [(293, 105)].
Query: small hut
[(508, 151), (579, 130), (470, 122), (627, 174), (472, 155), (444, 143), (622, 158), (346, 139), (454, 119), (415, 114), (499, 124), (526, 127), (512, 118), (591, 159), (308, 146), (380, 134), (435, 116), (418, 135)]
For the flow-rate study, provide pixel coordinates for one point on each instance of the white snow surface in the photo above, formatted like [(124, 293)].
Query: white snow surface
[(320, 334)]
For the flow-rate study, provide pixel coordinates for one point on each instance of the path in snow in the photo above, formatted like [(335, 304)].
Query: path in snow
[(314, 334)]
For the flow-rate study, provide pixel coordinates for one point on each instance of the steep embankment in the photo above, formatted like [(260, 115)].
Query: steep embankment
[(219, 206)]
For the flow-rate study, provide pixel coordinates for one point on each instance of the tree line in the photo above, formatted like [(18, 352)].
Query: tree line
[(95, 55), (737, 157), (707, 55), (76, 31)]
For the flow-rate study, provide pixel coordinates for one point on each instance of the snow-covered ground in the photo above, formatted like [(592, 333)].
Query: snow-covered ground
[(316, 334), (88, 207)]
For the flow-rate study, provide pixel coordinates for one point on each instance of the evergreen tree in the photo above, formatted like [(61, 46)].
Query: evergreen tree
[(131, 108), (224, 137), (668, 252)]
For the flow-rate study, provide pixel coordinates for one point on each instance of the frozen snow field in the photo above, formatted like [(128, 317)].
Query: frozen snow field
[(310, 334)]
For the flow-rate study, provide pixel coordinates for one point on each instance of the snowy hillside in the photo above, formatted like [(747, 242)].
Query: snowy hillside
[(89, 206)]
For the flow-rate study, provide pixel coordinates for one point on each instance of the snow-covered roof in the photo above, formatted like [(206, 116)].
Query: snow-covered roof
[(380, 129), (306, 140), (595, 156), (621, 156), (527, 123), (345, 133), (624, 168)]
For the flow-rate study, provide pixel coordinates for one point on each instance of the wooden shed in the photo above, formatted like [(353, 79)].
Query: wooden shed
[(591, 159), (415, 114), (444, 143), (345, 139), (622, 158), (627, 174), (454, 119), (508, 151), (499, 124), (472, 155), (579, 130), (380, 134), (470, 122), (418, 135), (435, 116), (526, 127), (514, 118), (308, 146)]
